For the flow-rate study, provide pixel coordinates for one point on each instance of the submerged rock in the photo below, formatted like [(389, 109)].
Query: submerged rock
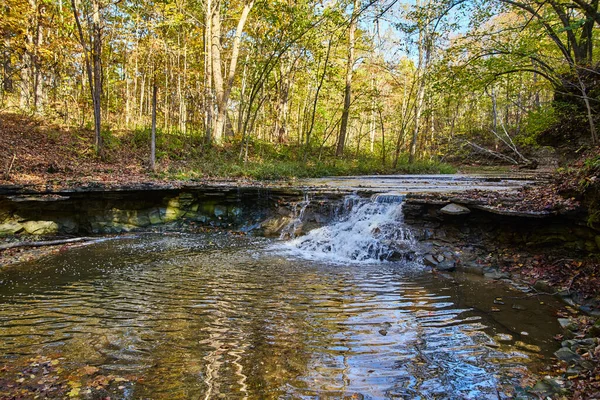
[(492, 273), (528, 347), (447, 266)]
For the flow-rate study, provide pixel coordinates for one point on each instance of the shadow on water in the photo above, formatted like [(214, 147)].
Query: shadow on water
[(218, 316)]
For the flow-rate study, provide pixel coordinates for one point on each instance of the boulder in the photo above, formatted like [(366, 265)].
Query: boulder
[(155, 217), (455, 209), (273, 226), (10, 228), (220, 211), (173, 211), (40, 227), (567, 355)]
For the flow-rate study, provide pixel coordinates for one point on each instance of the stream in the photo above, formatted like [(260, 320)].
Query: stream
[(221, 315)]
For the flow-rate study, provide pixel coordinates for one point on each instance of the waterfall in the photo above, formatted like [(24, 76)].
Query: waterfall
[(299, 209), (366, 230)]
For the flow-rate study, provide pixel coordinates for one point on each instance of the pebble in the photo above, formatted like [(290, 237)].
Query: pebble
[(503, 337)]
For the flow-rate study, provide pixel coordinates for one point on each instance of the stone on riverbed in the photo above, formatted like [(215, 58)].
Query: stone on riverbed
[(493, 273), (430, 261), (528, 347), (455, 209)]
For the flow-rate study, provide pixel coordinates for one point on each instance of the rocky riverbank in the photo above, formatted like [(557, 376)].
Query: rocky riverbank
[(531, 238)]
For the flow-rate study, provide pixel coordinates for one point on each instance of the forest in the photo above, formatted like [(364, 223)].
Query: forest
[(158, 240), (266, 89)]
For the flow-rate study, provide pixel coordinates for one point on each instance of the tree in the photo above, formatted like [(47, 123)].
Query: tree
[(91, 45), (223, 85), (348, 88)]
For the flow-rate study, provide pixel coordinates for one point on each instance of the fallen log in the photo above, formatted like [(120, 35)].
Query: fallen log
[(7, 246)]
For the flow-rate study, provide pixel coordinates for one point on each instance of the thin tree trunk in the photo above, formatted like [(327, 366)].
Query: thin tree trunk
[(208, 68), (97, 57), (383, 160), (153, 133), (495, 117), (588, 107), (36, 68), (315, 102), (142, 92)]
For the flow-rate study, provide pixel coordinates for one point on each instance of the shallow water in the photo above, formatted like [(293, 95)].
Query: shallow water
[(219, 316)]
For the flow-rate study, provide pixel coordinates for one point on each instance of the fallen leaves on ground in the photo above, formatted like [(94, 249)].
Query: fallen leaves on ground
[(541, 198)]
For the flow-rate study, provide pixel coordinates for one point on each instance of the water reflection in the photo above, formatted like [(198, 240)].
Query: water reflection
[(212, 316)]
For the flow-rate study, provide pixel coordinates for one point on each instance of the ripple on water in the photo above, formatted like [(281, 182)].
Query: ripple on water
[(203, 315)]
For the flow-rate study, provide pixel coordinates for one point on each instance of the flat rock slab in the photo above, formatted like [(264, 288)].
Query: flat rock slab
[(419, 183), (455, 209), (567, 355)]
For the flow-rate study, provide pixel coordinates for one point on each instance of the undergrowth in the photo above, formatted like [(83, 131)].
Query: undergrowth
[(285, 163)]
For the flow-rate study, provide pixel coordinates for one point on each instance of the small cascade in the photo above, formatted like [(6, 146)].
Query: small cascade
[(289, 232), (388, 198), (366, 230)]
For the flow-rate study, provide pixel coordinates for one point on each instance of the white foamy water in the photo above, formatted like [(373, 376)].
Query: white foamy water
[(367, 230)]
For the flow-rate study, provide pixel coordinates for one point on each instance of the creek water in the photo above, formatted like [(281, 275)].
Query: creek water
[(217, 315)]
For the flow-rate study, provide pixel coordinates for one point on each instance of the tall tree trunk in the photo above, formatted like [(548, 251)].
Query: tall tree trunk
[(168, 75), (97, 57), (383, 151), (208, 68), (223, 85), (589, 111), (36, 68), (93, 64), (316, 101), (7, 67), (495, 118), (142, 92), (348, 89), (127, 98), (24, 97), (404, 124), (424, 54), (240, 121), (153, 133)]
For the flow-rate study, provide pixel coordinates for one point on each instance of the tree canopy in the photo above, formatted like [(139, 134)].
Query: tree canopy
[(391, 80)]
